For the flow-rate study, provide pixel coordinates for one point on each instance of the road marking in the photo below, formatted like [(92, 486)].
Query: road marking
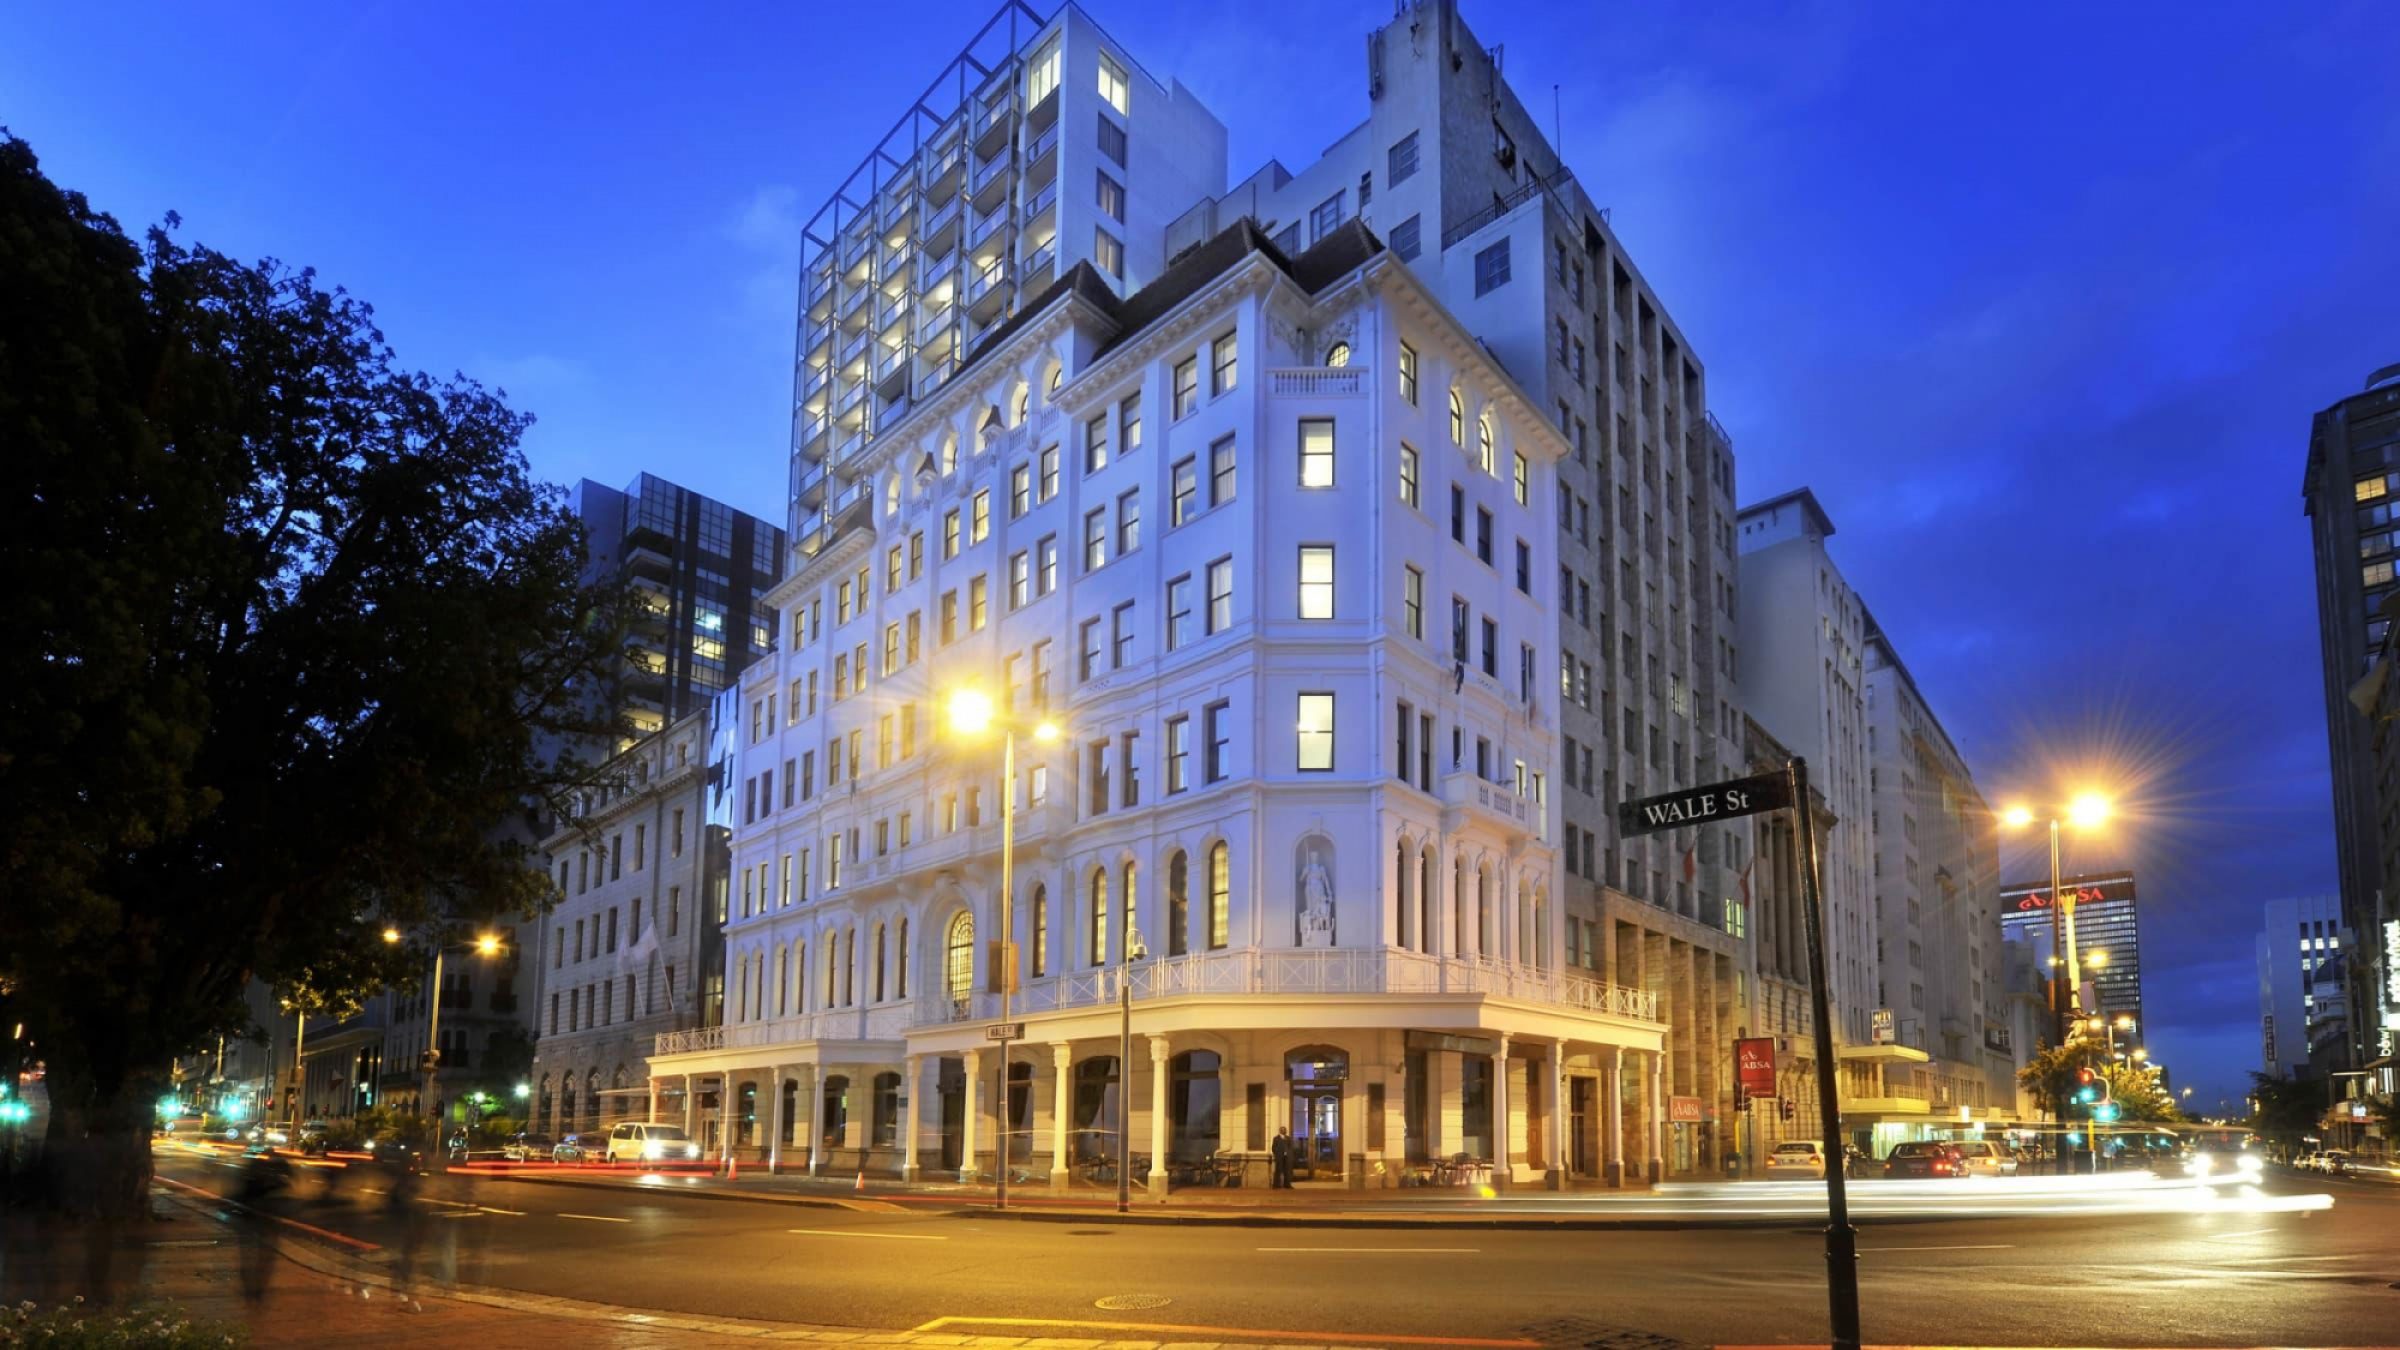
[(1379, 1250), (595, 1218), (1248, 1333), (370, 1190), (2247, 1232), (517, 1213), (459, 1214), (888, 1237), (2264, 1260), (1960, 1247)]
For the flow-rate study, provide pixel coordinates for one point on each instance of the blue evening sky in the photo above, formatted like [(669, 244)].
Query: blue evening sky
[(2038, 298)]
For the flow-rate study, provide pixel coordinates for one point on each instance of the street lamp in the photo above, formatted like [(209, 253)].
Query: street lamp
[(485, 944), (2088, 810), (1134, 951), (971, 714)]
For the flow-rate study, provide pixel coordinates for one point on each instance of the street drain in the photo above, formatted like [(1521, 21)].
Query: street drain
[(1132, 1302), (1582, 1333)]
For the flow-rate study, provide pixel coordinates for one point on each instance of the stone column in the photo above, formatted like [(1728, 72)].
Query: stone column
[(1446, 1107), (974, 1107), (1159, 1134), (914, 1084), (1555, 1074), (1062, 1062), (1656, 1124), (653, 1097), (816, 1124), (775, 1120), (725, 1109), (691, 1103), (1612, 1138), (1501, 1116)]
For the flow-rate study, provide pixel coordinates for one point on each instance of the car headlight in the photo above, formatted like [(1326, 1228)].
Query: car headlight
[(2249, 1165), (651, 1150)]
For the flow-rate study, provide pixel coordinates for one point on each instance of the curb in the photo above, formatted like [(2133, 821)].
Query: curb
[(630, 1188)]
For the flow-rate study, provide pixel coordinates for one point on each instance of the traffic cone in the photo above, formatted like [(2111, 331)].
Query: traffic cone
[(733, 1168), (861, 1184)]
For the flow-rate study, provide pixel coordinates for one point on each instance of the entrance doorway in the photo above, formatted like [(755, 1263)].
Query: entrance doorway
[(950, 1086), (1583, 1126), (1317, 1075)]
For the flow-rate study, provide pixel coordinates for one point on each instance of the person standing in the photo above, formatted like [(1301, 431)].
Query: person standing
[(1279, 1155)]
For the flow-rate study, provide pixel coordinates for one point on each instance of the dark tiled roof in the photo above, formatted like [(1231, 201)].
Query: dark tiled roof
[(1335, 256)]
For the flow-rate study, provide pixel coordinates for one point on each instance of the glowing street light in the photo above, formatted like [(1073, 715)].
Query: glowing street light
[(2087, 810)]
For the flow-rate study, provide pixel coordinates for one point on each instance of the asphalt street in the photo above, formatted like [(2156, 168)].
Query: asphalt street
[(2230, 1275)]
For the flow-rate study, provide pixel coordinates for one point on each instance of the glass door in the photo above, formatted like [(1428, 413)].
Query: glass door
[(1316, 1131)]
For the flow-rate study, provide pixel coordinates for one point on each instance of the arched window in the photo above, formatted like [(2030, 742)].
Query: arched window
[(1096, 1107), (902, 991), (1041, 930), (1483, 911), (1428, 899), (1338, 355), (1131, 921), (746, 1122), (1458, 906), (1400, 878), (1220, 895), (1024, 404), (891, 494), (541, 1111), (591, 1098), (1097, 947), (958, 957), (783, 982), (833, 950), (1058, 375), (1483, 442), (1179, 903), (949, 455), (849, 965), (1458, 419), (882, 954), (800, 974)]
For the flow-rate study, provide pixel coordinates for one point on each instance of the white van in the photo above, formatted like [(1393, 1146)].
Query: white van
[(1987, 1159), (635, 1141)]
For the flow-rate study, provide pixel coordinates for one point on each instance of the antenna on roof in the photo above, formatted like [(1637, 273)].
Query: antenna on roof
[(1558, 134)]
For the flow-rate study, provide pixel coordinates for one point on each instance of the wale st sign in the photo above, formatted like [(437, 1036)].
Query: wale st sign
[(1700, 805)]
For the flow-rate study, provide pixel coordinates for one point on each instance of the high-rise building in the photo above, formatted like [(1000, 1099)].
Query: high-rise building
[(2372, 968), (1804, 635), (1041, 145), (698, 569), (2108, 938), (1453, 171), (2351, 493), (1936, 881), (2303, 1016)]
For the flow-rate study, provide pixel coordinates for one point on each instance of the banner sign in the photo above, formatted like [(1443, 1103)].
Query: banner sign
[(1754, 1065)]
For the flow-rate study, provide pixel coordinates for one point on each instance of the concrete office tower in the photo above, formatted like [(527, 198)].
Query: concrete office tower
[(2303, 1018), (1041, 145), (1936, 882), (699, 568), (1291, 614), (2351, 493), (1451, 169), (1803, 637), (633, 948), (2108, 936)]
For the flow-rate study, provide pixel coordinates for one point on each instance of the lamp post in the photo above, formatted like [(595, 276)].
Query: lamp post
[(971, 712), (1132, 952), (485, 944), (2085, 812)]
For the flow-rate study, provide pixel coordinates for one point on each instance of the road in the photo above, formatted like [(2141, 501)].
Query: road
[(2236, 1277)]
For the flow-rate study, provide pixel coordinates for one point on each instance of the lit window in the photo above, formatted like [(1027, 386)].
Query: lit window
[(1408, 374), (1408, 474), (1316, 452), (1107, 253), (1316, 733), (983, 517), (1223, 370), (1112, 83), (1483, 443), (1458, 419), (1186, 489), (1110, 195), (1187, 386), (1316, 581), (1220, 596), (1519, 477), (1337, 357), (1412, 600)]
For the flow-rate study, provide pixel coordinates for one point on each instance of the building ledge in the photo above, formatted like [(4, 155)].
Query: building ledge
[(1888, 1054)]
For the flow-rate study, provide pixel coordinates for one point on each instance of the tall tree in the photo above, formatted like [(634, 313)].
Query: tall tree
[(2282, 1110), (290, 627)]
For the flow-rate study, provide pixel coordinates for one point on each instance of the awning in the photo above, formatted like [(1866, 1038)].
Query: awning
[(1888, 1052)]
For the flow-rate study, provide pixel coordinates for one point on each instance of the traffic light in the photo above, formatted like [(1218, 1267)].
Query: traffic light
[(2106, 1112)]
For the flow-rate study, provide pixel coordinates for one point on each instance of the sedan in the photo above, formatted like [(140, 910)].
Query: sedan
[(1987, 1159), (1801, 1158), (1925, 1159), (528, 1147)]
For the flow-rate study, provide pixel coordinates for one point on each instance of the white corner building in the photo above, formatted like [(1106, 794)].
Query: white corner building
[(1268, 541)]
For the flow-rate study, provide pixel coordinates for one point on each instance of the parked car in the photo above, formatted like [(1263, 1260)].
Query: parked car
[(527, 1146), (574, 1148), (2306, 1159), (1986, 1159), (2334, 1162), (1798, 1157), (1924, 1158), (638, 1141), (313, 1136)]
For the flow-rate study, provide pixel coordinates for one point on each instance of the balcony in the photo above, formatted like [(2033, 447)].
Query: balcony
[(995, 118), (1470, 797), (849, 445), (1043, 113), (1317, 382), (894, 207), (936, 322), (889, 311), (1040, 265), (852, 300), (940, 229), (930, 276), (1041, 157), (1039, 202), (643, 560), (941, 173), (853, 346), (854, 247), (891, 371), (989, 287), (851, 395), (990, 190), (808, 435)]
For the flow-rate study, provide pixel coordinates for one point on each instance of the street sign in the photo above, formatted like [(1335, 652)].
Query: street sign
[(1004, 1031), (1754, 1065), (1879, 1027), (1686, 1110), (1697, 806)]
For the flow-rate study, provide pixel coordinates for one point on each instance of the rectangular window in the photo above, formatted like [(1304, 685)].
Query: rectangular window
[(1400, 162), (1187, 386), (1408, 473), (1020, 491), (1111, 197), (1112, 83), (1521, 478), (1220, 595), (1326, 218), (1179, 754), (1491, 648), (1458, 514), (1020, 579), (949, 625), (1458, 630), (1316, 452), (983, 517), (949, 535), (1045, 556), (1186, 490), (1408, 374), (1483, 535), (1220, 472), (1215, 727), (1095, 539), (1524, 567), (1316, 581), (1120, 636), (978, 605), (1223, 366), (1095, 445), (1049, 474), (1316, 733), (1404, 240), (1108, 253), (1129, 522), (1179, 611), (1491, 268), (1112, 139), (1088, 649), (1096, 771), (1412, 600)]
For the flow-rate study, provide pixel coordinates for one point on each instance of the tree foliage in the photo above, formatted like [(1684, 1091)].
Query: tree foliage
[(2052, 1077), (290, 631), (2284, 1109)]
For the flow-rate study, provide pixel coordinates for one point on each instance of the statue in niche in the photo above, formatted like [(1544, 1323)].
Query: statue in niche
[(1316, 900)]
